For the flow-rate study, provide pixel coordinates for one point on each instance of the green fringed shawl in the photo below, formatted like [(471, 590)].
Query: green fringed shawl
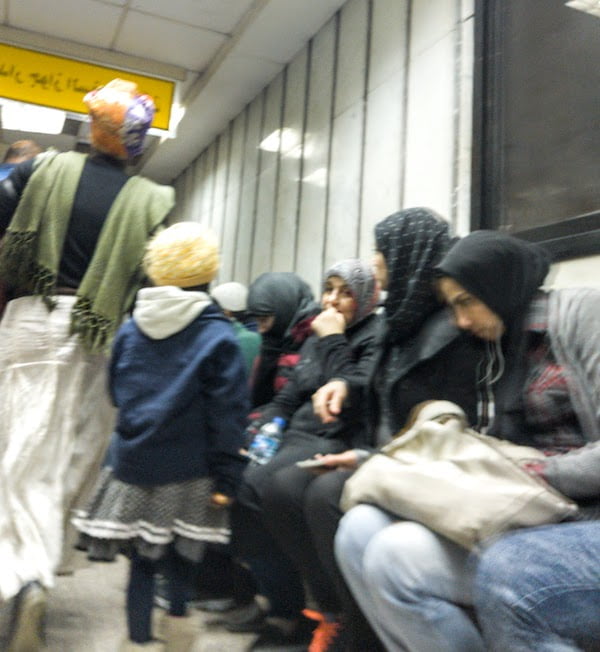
[(33, 243)]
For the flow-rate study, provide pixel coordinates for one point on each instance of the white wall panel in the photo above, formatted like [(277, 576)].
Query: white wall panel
[(351, 60), (383, 167), (187, 190), (208, 174), (431, 20), (180, 199), (232, 202), (389, 33), (344, 186), (582, 272), (290, 166), (263, 233), (267, 182), (343, 218), (195, 199), (313, 197), (467, 9), (462, 217), (220, 191), (245, 235), (382, 172), (430, 128)]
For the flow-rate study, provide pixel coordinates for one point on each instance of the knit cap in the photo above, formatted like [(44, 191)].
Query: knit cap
[(231, 296), (185, 254), (120, 117)]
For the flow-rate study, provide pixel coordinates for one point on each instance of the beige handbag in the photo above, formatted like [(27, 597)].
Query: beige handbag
[(457, 482)]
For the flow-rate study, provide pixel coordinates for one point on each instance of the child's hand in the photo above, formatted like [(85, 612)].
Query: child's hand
[(220, 501)]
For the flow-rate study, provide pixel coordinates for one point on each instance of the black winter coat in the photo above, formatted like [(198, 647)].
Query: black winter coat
[(438, 362), (323, 359)]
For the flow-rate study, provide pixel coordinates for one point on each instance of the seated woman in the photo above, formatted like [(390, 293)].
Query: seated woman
[(283, 306), (420, 356), (544, 375), (348, 301)]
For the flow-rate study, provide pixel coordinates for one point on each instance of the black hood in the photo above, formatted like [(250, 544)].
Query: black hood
[(502, 271), (505, 273), (284, 295)]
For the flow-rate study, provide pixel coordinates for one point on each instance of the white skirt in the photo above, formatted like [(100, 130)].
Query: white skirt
[(55, 424)]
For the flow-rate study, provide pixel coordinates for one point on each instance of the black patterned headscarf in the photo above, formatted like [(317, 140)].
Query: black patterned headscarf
[(412, 242), (359, 277)]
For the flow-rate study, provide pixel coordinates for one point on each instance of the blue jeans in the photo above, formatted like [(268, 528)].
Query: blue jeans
[(409, 582), (539, 589)]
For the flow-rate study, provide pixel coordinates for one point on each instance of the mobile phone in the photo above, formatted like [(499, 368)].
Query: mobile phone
[(308, 464)]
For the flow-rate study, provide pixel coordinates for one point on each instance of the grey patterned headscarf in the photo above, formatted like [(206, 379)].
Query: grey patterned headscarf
[(361, 281), (412, 242)]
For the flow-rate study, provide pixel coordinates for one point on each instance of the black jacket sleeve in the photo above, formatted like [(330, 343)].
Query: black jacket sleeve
[(349, 358), (284, 403), (11, 190)]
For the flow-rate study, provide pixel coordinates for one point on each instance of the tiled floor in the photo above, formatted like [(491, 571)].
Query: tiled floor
[(86, 614)]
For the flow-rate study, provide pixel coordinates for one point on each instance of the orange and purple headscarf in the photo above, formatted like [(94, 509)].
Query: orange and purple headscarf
[(120, 118)]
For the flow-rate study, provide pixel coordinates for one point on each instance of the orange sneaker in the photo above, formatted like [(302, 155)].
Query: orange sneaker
[(326, 637)]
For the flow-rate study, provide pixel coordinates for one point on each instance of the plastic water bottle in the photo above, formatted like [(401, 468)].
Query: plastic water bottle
[(267, 441)]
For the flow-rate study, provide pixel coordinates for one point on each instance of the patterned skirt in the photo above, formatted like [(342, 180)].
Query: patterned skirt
[(152, 519)]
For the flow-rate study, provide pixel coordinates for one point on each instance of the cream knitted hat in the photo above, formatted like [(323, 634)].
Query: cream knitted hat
[(185, 254)]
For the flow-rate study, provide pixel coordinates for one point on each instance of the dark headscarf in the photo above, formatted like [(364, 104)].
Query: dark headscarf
[(361, 281), (284, 295), (505, 273), (290, 300), (501, 270), (412, 242)]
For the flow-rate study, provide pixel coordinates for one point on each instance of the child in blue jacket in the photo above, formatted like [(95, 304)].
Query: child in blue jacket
[(178, 379)]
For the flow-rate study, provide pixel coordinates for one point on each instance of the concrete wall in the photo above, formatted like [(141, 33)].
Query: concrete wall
[(573, 273), (373, 115)]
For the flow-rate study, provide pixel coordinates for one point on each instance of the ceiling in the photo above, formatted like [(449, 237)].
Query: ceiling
[(221, 53)]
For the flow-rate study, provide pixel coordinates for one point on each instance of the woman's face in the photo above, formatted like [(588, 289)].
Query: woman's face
[(470, 313), (337, 294), (380, 270), (264, 323)]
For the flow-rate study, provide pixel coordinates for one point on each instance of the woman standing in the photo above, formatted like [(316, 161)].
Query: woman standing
[(75, 231)]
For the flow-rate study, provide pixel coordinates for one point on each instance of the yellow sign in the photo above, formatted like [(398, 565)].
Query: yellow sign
[(61, 83)]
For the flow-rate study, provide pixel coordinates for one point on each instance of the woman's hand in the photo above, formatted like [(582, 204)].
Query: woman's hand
[(346, 460), (328, 400), (329, 322)]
